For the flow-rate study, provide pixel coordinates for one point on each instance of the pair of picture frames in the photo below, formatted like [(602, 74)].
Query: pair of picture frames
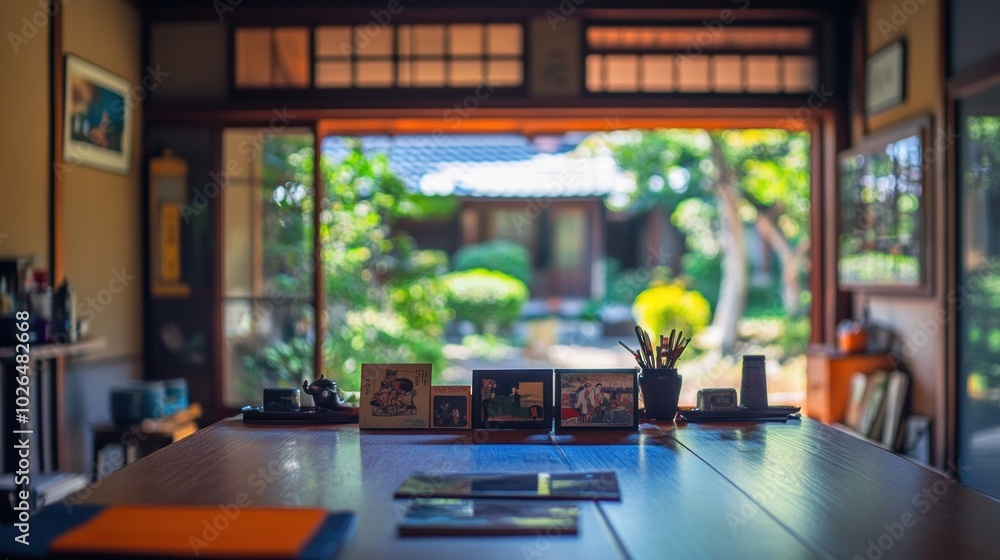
[(400, 396), (576, 399)]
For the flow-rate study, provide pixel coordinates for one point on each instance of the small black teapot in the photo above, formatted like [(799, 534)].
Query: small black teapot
[(324, 394)]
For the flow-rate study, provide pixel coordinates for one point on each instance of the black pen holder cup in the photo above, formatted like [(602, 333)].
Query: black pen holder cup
[(661, 389)]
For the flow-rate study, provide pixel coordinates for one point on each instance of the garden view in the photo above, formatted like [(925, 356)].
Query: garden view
[(738, 201)]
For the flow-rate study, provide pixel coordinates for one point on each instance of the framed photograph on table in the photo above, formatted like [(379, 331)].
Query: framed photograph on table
[(451, 407), (596, 399), (395, 396), (513, 399), (884, 197), (97, 117)]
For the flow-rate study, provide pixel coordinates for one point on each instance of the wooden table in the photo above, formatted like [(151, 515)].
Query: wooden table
[(737, 490)]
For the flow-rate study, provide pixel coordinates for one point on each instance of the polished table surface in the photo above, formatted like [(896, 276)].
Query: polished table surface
[(735, 490)]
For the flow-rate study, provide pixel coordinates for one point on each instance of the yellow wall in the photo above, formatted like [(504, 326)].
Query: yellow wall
[(24, 142), (917, 319), (102, 208), (923, 54)]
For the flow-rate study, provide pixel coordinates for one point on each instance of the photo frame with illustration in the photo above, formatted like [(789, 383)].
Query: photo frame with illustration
[(596, 399), (395, 396), (514, 399), (97, 117), (451, 407)]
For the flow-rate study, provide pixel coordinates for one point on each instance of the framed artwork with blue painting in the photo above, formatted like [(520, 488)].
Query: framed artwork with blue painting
[(97, 117)]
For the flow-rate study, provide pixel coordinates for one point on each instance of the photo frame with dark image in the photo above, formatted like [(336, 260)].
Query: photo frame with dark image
[(515, 399), (451, 407), (596, 399)]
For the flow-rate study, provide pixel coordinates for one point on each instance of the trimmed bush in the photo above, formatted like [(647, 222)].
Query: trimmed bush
[(504, 256), (488, 299), (671, 306)]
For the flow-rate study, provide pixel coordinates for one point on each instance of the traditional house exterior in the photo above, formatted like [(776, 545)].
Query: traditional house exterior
[(537, 192)]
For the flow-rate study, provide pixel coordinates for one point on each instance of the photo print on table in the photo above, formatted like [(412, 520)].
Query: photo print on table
[(395, 396), (596, 399), (451, 407), (512, 399)]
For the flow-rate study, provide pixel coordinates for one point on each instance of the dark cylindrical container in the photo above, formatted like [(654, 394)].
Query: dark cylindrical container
[(661, 389)]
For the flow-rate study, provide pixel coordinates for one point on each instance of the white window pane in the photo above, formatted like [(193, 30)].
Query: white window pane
[(428, 73), (239, 206), (595, 81), (465, 72), (727, 73), (374, 73), (800, 73), (762, 74), (657, 73), (373, 40), (333, 41), (428, 39), (505, 73), (333, 74), (693, 73), (465, 39), (253, 57), (504, 39), (622, 72)]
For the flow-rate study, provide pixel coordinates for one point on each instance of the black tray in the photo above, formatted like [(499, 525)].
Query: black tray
[(771, 413), (308, 415)]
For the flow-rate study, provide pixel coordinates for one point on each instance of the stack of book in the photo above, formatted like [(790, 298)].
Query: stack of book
[(876, 406)]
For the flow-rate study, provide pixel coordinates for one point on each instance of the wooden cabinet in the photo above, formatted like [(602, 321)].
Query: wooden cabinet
[(829, 377)]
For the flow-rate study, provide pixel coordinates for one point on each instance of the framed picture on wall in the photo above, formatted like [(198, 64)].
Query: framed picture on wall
[(97, 117), (883, 221), (885, 78)]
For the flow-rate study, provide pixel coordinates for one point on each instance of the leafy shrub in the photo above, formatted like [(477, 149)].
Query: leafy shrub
[(488, 299), (505, 256), (671, 306)]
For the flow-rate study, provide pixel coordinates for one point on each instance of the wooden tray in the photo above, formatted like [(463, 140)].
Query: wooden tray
[(308, 415), (771, 413)]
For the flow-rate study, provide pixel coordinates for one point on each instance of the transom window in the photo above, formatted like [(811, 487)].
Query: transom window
[(368, 56), (700, 59)]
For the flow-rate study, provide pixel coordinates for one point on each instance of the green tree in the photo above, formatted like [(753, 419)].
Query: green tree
[(732, 178)]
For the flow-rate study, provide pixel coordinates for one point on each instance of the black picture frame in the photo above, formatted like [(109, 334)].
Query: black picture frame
[(893, 261), (502, 399), (629, 394)]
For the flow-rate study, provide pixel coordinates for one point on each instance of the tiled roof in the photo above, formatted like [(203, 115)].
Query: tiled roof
[(493, 165)]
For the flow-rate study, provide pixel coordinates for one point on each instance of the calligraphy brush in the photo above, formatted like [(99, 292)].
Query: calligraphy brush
[(635, 354)]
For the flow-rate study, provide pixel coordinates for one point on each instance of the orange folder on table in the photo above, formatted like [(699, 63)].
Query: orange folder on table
[(212, 532)]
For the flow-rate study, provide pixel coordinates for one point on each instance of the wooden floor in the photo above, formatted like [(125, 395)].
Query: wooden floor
[(769, 490)]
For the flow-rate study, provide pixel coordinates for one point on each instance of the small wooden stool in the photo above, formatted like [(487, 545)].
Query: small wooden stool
[(139, 440)]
